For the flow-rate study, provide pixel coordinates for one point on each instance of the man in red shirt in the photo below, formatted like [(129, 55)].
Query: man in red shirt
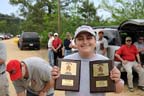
[(57, 48), (128, 54)]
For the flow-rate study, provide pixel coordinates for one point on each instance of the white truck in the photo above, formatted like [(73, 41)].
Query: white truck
[(116, 36)]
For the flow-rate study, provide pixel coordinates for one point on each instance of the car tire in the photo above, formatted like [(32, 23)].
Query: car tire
[(18, 45), (38, 48), (21, 47)]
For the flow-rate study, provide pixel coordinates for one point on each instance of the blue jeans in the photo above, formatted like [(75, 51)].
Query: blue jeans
[(31, 94), (51, 57), (67, 52)]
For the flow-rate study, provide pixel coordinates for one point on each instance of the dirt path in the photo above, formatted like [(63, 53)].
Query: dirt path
[(14, 53)]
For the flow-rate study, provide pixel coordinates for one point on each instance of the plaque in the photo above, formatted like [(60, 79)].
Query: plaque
[(69, 79), (100, 80)]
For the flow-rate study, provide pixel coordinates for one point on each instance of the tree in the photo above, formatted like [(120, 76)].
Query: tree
[(42, 15), (87, 11), (34, 12), (9, 24), (121, 10)]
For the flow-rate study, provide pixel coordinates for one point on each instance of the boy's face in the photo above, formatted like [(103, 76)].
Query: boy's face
[(85, 43)]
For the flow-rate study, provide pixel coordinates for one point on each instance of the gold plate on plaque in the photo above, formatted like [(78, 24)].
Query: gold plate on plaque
[(69, 75), (100, 76)]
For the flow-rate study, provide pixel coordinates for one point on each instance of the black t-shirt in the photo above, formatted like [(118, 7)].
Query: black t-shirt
[(66, 44)]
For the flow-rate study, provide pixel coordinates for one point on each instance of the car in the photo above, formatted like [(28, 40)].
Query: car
[(29, 40), (2, 36), (133, 28), (116, 36)]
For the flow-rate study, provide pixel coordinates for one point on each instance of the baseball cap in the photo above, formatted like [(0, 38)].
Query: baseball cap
[(14, 69), (128, 38), (55, 34), (50, 33), (84, 28)]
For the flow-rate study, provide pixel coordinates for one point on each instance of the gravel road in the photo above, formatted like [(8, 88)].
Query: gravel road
[(14, 53)]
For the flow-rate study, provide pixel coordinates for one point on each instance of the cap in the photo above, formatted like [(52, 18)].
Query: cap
[(128, 38), (55, 34), (14, 69), (84, 28), (50, 33)]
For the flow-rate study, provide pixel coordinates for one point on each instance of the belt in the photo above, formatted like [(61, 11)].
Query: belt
[(2, 72)]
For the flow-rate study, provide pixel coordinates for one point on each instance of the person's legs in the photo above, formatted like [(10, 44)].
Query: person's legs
[(140, 72), (128, 68), (51, 57), (55, 58), (142, 59), (59, 53), (67, 52)]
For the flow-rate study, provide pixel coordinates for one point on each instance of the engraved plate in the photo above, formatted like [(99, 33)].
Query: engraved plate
[(100, 80), (69, 75)]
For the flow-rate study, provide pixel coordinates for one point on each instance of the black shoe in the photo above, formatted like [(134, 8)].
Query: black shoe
[(141, 88)]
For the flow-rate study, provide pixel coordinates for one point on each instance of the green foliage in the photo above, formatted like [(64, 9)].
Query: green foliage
[(42, 15), (9, 24), (88, 12), (44, 39), (123, 9), (50, 23)]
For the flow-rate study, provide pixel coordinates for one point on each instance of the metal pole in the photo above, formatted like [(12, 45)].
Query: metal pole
[(59, 18)]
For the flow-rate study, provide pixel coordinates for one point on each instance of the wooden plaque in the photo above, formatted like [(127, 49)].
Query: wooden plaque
[(100, 80), (69, 79)]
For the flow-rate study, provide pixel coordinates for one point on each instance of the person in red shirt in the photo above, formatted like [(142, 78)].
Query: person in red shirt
[(57, 48), (129, 56)]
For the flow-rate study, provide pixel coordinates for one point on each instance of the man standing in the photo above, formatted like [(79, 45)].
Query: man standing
[(67, 42), (50, 51), (102, 44), (31, 77), (57, 48), (3, 77), (128, 54)]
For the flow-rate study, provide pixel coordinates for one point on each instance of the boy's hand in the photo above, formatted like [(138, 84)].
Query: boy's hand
[(115, 74)]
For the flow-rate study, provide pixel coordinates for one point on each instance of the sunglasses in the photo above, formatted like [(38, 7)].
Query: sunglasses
[(128, 40)]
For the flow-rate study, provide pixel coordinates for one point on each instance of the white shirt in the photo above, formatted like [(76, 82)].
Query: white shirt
[(50, 42), (98, 43)]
